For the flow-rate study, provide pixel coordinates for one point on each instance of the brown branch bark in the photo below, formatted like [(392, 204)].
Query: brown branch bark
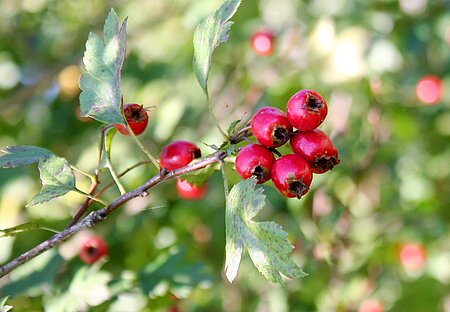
[(99, 215)]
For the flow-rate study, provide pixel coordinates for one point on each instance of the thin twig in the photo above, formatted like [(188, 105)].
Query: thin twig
[(99, 215)]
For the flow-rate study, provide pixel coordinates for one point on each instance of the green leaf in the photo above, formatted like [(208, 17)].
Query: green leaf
[(88, 288), (208, 35), (198, 177), (265, 241), (15, 156), (35, 276), (13, 231), (106, 153), (3, 306), (101, 97), (170, 272), (232, 127), (57, 179)]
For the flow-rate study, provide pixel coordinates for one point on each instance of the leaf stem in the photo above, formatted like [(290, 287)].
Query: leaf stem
[(225, 181), (211, 111), (143, 148), (99, 200), (116, 178), (90, 176)]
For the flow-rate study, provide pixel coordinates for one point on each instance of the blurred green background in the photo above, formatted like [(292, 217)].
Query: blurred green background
[(391, 189)]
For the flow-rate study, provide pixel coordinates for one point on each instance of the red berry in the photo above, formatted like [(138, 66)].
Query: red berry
[(306, 110), (317, 148), (92, 249), (412, 256), (271, 127), (137, 119), (190, 191), (254, 160), (262, 42), (429, 89), (291, 175), (178, 154)]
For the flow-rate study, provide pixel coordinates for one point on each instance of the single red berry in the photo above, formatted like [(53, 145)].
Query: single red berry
[(262, 42), (137, 119), (429, 89), (254, 160), (306, 110), (317, 148), (291, 175), (190, 191), (92, 249), (178, 154), (271, 127)]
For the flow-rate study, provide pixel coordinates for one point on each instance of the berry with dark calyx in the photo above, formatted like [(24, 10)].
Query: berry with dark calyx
[(137, 119), (178, 154), (317, 148), (190, 191), (92, 249), (262, 42), (254, 160), (271, 127), (306, 110), (291, 175)]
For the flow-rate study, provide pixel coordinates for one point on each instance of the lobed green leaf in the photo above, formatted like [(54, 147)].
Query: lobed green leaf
[(265, 241), (57, 179), (101, 96), (208, 35)]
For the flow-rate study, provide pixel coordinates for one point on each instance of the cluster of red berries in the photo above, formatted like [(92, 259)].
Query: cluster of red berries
[(314, 151)]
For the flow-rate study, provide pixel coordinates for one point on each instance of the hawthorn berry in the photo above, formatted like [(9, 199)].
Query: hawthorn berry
[(262, 42), (254, 160), (291, 175), (271, 127), (190, 191), (178, 154), (137, 119), (317, 148), (306, 110), (92, 249)]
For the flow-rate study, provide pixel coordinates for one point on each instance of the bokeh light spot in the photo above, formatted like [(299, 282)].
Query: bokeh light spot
[(429, 89)]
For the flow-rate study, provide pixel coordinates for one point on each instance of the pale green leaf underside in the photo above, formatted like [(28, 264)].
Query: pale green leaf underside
[(208, 35), (57, 179), (101, 97), (15, 156), (265, 241)]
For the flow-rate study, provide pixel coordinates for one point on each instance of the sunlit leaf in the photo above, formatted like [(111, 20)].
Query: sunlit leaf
[(34, 276), (88, 288), (106, 152), (265, 241), (198, 177), (3, 306), (57, 179), (170, 272), (101, 97), (208, 35), (15, 156)]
